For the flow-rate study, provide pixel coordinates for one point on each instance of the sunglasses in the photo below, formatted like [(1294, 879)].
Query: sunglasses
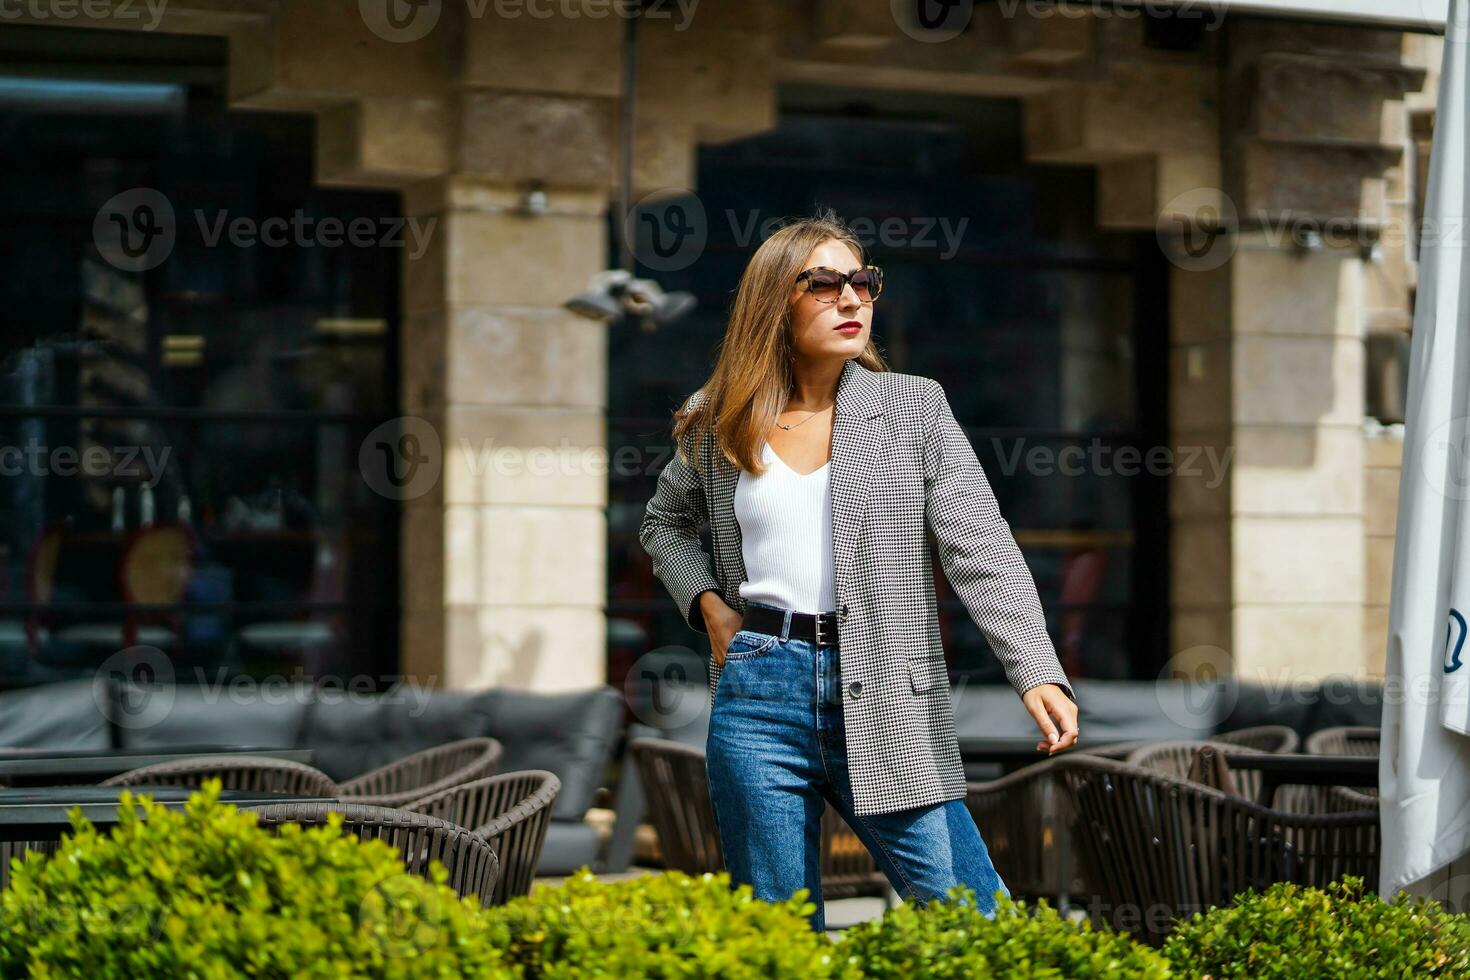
[(826, 284)]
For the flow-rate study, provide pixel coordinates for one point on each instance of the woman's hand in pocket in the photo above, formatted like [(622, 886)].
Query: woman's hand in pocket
[(722, 623)]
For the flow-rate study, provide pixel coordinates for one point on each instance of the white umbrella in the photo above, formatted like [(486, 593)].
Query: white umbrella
[(1424, 765)]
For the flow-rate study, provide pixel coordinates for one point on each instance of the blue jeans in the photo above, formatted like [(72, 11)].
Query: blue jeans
[(777, 754)]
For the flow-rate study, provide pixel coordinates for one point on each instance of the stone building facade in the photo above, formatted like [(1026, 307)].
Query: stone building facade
[(1282, 569)]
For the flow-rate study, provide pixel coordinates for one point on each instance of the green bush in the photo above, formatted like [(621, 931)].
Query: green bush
[(204, 892), (660, 926), (952, 939), (1340, 932)]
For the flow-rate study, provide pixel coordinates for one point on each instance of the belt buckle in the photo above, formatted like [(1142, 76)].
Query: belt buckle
[(817, 621)]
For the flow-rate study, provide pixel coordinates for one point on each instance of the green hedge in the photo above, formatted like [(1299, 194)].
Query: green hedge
[(1341, 932), (206, 893), (661, 925), (951, 939)]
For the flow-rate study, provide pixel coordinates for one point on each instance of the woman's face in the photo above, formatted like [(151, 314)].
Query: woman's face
[(837, 330)]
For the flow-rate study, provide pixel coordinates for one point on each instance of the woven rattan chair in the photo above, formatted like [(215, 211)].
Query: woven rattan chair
[(1024, 818), (425, 773), (18, 849), (1177, 758), (676, 785), (470, 860), (1344, 740), (254, 773), (1267, 738), (1163, 847), (511, 811)]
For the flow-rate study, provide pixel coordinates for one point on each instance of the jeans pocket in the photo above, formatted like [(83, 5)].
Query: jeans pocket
[(746, 644)]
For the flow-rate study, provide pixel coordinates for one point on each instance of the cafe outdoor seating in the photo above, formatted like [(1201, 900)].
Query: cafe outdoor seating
[(1159, 809)]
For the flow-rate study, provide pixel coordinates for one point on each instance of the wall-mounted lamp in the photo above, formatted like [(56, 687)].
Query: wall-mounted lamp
[(615, 292)]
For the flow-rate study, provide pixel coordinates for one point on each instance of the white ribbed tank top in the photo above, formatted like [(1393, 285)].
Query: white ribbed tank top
[(786, 536)]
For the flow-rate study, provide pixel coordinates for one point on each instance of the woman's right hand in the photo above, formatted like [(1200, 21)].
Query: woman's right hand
[(722, 623)]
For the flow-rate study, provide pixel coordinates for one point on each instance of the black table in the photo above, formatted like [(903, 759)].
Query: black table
[(50, 767), (41, 814), (1298, 769)]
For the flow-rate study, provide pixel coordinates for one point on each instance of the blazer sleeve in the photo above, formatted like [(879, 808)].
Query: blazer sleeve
[(670, 532), (979, 554)]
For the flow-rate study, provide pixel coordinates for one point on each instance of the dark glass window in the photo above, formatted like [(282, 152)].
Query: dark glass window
[(192, 355), (1047, 333)]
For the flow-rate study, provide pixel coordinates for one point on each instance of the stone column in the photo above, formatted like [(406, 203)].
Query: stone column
[(1313, 123)]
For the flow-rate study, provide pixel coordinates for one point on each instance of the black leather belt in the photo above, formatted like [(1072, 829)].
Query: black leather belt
[(818, 628)]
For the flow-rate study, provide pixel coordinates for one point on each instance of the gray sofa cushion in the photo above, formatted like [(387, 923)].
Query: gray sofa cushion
[(569, 845), (570, 734), (68, 715), (189, 715), (351, 733)]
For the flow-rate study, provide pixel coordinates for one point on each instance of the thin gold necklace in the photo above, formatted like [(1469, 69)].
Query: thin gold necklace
[(788, 428)]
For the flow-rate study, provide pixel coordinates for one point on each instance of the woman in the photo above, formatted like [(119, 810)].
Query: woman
[(828, 681)]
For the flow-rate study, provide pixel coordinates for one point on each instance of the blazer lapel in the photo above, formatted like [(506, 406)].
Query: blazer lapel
[(856, 447), (723, 477)]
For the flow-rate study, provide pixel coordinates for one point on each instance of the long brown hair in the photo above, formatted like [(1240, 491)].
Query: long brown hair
[(752, 377)]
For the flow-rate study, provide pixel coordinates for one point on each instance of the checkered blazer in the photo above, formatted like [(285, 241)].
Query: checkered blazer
[(901, 466)]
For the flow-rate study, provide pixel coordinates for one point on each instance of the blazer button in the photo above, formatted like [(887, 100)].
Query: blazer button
[(842, 613), (855, 689)]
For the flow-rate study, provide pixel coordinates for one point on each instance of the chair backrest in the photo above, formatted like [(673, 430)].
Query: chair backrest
[(1178, 758), (1344, 740), (1023, 818), (1267, 738), (426, 773), (676, 788), (511, 811), (246, 772), (1163, 847), (420, 839)]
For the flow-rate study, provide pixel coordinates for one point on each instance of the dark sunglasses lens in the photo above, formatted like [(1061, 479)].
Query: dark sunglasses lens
[(825, 285), (868, 284)]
